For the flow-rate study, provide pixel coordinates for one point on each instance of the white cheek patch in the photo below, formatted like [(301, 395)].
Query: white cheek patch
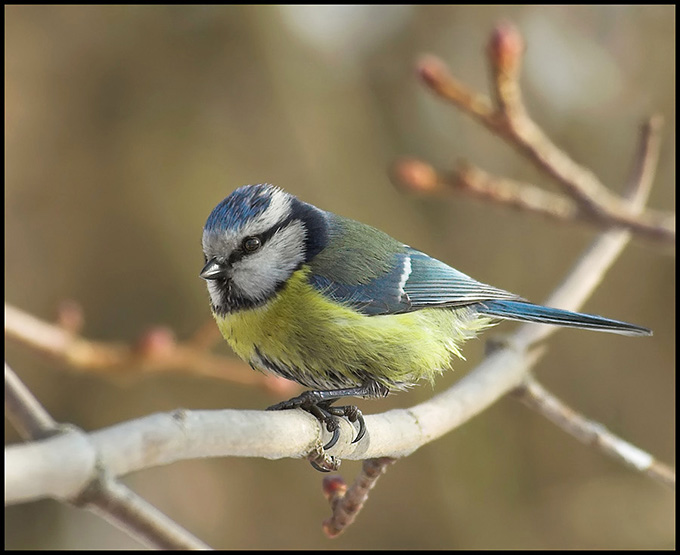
[(257, 276)]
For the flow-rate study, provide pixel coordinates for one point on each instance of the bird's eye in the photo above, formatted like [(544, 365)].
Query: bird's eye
[(251, 244)]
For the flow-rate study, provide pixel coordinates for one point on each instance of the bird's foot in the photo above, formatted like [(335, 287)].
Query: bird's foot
[(318, 405)]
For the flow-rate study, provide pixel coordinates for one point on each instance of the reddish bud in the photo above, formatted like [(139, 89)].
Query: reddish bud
[(505, 48), (331, 529), (415, 175), (432, 70), (334, 487)]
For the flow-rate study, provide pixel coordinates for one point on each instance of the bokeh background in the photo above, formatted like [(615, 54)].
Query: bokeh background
[(125, 125)]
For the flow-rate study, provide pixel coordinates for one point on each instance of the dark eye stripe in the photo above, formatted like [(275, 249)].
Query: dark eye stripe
[(265, 236)]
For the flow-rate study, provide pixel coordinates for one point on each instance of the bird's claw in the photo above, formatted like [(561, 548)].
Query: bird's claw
[(319, 403), (353, 414), (356, 416), (316, 466), (322, 461), (332, 427), (326, 414)]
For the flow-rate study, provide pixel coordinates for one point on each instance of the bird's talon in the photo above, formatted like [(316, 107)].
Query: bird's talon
[(322, 461), (318, 467), (334, 439), (352, 414), (362, 428), (313, 403)]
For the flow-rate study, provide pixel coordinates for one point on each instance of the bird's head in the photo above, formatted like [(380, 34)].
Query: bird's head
[(253, 241)]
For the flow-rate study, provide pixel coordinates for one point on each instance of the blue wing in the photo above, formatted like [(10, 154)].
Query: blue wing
[(412, 281), (433, 283), (415, 280)]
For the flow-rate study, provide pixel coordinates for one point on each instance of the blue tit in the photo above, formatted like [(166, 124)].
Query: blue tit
[(343, 308)]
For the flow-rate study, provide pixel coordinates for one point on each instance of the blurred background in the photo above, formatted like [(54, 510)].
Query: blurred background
[(125, 125)]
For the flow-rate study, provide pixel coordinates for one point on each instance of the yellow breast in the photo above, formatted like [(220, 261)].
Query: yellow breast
[(320, 343)]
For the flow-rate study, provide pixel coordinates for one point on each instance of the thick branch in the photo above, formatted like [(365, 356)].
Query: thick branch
[(87, 485), (44, 468)]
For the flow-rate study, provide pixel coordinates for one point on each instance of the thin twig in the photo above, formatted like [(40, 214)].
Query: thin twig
[(347, 503), (593, 264), (420, 177), (120, 506), (508, 118), (470, 180), (436, 75), (505, 50), (522, 196), (592, 433), (588, 273), (646, 160), (24, 411)]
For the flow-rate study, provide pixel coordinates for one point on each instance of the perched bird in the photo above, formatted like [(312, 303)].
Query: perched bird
[(343, 308)]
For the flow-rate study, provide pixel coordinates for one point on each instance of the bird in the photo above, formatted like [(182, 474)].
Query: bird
[(343, 308)]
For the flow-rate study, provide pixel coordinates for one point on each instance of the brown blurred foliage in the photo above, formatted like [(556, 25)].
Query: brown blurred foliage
[(125, 125)]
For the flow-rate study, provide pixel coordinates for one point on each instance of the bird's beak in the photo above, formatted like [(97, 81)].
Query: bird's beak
[(214, 270)]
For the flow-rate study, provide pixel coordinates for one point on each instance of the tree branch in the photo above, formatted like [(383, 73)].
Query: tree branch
[(86, 486), (347, 503), (536, 397), (24, 411), (507, 117), (32, 471)]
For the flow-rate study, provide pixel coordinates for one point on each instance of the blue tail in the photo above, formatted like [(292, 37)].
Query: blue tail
[(527, 312)]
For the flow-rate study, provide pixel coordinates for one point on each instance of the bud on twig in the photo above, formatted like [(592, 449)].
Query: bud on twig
[(505, 50), (415, 175)]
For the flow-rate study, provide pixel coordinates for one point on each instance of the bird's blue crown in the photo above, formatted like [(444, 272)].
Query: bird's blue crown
[(241, 206)]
